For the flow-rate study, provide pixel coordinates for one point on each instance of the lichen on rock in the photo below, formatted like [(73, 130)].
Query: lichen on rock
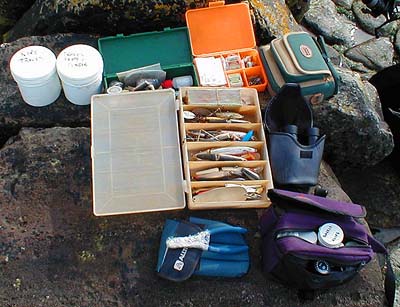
[(357, 135)]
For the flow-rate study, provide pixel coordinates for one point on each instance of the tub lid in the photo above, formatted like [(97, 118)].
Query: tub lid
[(33, 63), (80, 62)]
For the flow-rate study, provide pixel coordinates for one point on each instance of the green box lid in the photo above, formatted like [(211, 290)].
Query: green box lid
[(170, 48)]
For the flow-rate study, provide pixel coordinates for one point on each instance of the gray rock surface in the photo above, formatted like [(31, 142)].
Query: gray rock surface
[(352, 119), (15, 113), (327, 179), (11, 11), (344, 3), (378, 189), (323, 19), (298, 8), (340, 60), (99, 17), (395, 259), (273, 19), (54, 252), (397, 42), (368, 23), (377, 53), (127, 16)]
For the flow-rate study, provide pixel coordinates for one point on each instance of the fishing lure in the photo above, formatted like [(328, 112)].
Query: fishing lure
[(217, 157), (228, 173)]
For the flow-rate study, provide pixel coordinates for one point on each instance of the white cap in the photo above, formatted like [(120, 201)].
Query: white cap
[(33, 63), (79, 64), (330, 235), (115, 89)]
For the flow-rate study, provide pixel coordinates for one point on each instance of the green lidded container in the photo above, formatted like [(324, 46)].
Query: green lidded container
[(170, 48)]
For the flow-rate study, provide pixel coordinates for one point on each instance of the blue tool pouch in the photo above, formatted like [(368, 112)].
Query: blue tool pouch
[(225, 255)]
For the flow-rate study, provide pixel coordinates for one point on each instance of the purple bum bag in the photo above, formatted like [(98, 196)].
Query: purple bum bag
[(302, 264)]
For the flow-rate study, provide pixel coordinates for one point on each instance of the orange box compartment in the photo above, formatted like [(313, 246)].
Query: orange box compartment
[(222, 31)]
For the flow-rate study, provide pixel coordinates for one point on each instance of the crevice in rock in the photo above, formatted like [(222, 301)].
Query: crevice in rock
[(10, 132), (6, 134)]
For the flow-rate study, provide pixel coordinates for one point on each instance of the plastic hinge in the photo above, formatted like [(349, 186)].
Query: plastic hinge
[(176, 104), (185, 184)]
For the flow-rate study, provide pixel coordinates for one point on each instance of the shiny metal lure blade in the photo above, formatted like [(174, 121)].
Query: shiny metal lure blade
[(234, 150)]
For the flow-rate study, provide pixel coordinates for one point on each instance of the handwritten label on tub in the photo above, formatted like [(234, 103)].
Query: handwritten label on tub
[(31, 56), (75, 59)]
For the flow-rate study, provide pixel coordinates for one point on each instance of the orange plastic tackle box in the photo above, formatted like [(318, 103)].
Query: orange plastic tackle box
[(225, 32)]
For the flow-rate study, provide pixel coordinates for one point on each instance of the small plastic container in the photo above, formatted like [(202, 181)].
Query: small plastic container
[(182, 81), (34, 70), (80, 68)]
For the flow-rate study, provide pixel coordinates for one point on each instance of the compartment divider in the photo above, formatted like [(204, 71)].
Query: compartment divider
[(205, 184), (229, 205), (189, 147), (244, 109), (205, 145), (199, 165), (222, 126), (195, 166)]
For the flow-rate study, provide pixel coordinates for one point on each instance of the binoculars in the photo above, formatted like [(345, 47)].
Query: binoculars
[(312, 133), (389, 8), (383, 7), (295, 146)]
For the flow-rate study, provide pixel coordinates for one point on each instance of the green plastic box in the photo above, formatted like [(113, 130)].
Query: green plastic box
[(170, 48)]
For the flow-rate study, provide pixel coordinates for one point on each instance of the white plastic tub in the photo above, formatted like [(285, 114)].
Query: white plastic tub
[(80, 68), (34, 70)]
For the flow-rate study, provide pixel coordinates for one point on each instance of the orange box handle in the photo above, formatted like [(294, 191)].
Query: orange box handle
[(216, 3)]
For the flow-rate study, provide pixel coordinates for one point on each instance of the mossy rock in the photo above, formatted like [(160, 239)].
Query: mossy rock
[(11, 11)]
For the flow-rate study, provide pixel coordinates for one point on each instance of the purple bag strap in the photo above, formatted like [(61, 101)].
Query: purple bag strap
[(390, 278), (325, 204)]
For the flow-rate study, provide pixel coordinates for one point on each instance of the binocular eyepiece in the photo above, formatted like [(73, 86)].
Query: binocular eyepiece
[(312, 133), (389, 8)]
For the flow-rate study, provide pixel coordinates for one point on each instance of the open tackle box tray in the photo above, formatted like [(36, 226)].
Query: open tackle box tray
[(226, 31), (243, 101), (136, 149), (170, 48)]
